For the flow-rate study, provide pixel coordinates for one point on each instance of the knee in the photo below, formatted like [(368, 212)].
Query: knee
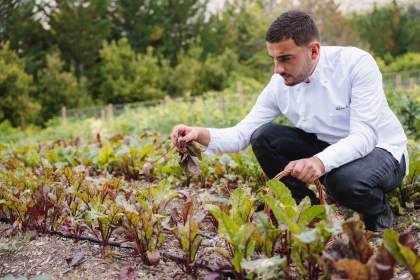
[(344, 185)]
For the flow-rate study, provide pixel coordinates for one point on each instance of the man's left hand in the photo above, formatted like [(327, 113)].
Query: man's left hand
[(307, 170)]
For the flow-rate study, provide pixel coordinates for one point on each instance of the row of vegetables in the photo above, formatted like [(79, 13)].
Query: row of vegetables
[(138, 192)]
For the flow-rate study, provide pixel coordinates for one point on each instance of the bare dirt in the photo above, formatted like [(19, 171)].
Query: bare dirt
[(49, 255)]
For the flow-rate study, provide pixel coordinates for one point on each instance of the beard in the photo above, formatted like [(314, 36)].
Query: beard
[(290, 80)]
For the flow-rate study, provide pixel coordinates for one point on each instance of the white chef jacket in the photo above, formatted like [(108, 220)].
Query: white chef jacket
[(343, 104)]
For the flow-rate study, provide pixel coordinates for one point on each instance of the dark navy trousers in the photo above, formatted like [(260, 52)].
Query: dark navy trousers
[(359, 185)]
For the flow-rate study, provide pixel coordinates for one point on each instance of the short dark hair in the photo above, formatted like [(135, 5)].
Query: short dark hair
[(295, 24)]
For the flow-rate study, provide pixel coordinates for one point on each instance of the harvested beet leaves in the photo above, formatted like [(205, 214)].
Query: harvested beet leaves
[(190, 156)]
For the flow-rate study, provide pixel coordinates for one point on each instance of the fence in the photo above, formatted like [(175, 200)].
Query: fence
[(406, 79)]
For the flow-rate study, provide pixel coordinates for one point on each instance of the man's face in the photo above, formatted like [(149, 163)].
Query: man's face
[(294, 63)]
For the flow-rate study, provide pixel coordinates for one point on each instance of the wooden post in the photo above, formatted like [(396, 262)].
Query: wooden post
[(411, 83), (109, 112), (240, 90), (222, 103), (64, 114), (398, 82), (102, 115)]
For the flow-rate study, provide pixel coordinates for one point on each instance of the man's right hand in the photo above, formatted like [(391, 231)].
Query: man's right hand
[(190, 133)]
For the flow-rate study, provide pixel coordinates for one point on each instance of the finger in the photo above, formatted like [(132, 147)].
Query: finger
[(297, 169), (175, 131), (181, 131), (308, 178), (307, 173), (188, 137), (290, 166)]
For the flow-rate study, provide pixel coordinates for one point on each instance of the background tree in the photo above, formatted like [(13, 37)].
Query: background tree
[(130, 77), (21, 26), (391, 30), (79, 27), (169, 26), (57, 88), (16, 104)]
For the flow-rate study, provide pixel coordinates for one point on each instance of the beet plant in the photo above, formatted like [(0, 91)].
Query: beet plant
[(235, 226), (298, 232), (103, 215), (186, 231), (145, 216), (353, 257)]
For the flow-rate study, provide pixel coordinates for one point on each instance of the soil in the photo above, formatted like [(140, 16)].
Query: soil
[(48, 255)]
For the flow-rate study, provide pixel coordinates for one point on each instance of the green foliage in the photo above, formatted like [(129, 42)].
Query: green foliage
[(84, 189), (168, 26), (408, 192), (16, 105), (129, 77), (145, 214), (357, 259), (241, 28), (79, 28), (391, 30), (403, 250), (302, 230), (236, 228), (194, 75), (57, 88), (186, 231), (405, 62), (103, 216), (20, 25), (265, 268), (406, 105)]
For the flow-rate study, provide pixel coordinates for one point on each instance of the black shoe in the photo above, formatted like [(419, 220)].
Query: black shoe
[(381, 222)]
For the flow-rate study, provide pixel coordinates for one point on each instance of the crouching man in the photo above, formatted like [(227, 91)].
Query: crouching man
[(344, 132)]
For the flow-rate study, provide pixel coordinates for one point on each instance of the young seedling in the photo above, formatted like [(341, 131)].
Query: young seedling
[(236, 228), (186, 231), (103, 216), (144, 218)]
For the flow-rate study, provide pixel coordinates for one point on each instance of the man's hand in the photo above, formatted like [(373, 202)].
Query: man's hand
[(307, 170), (189, 133)]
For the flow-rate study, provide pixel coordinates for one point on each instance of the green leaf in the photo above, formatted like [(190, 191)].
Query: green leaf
[(298, 261), (391, 244), (105, 154), (280, 215), (265, 268), (227, 227), (284, 215), (282, 193), (146, 151), (241, 205), (310, 213), (308, 237), (195, 246), (411, 260), (237, 259)]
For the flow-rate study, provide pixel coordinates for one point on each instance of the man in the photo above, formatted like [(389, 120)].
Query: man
[(345, 133)]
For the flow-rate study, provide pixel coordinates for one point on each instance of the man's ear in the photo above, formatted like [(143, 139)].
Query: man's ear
[(314, 48)]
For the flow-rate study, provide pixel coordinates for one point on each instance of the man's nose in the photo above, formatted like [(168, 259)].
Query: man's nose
[(278, 68)]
